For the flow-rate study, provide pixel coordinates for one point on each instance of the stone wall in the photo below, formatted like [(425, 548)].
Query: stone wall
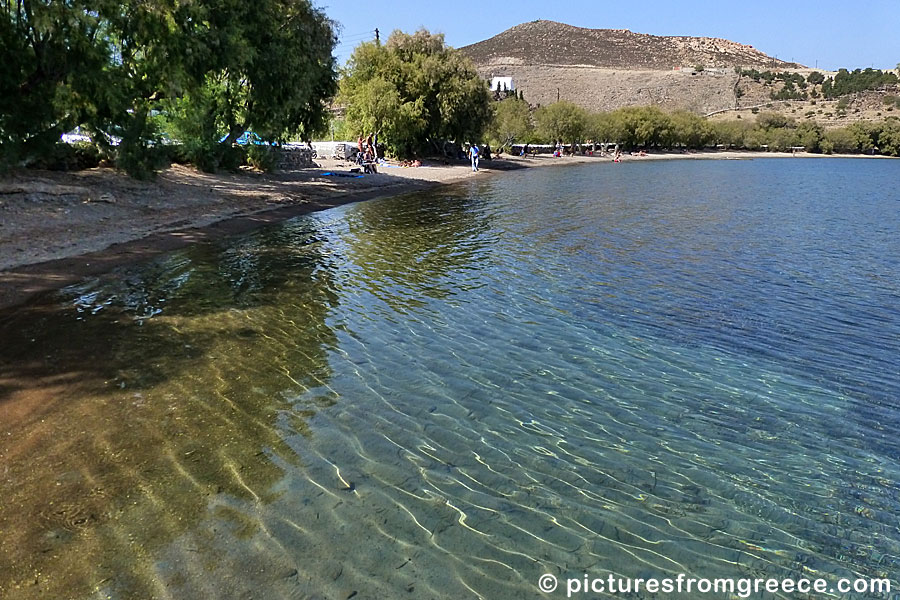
[(293, 158)]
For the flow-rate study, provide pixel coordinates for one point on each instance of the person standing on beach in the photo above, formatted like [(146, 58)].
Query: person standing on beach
[(473, 154)]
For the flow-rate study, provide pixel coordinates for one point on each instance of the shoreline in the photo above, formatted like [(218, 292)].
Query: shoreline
[(212, 207)]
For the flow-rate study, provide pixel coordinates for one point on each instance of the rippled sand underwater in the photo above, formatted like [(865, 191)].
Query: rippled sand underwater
[(642, 370)]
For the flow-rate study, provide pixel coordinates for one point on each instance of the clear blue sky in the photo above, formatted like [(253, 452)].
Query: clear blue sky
[(851, 34)]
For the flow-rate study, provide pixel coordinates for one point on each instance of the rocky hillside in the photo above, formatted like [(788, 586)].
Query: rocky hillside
[(606, 69), (551, 43)]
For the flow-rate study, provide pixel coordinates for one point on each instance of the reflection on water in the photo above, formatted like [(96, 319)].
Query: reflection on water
[(638, 369), (138, 405)]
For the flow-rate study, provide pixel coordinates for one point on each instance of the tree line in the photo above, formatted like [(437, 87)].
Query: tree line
[(132, 73), (843, 83), (154, 80), (649, 127)]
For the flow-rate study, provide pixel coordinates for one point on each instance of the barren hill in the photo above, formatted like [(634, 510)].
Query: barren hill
[(552, 43), (605, 69)]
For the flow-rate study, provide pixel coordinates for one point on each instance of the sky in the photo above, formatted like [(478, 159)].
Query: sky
[(827, 34)]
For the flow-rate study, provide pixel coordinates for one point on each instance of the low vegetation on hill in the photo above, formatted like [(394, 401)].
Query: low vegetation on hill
[(814, 85)]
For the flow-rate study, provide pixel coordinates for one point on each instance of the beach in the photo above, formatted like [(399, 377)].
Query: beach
[(57, 228)]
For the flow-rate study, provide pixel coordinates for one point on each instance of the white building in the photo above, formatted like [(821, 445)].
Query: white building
[(506, 84)]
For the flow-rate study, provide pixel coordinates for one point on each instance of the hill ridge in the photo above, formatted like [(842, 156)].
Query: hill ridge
[(544, 42)]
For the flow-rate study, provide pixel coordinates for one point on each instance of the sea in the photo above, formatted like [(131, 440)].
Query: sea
[(569, 378)]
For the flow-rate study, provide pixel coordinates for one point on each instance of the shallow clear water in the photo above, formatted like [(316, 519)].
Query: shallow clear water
[(640, 369)]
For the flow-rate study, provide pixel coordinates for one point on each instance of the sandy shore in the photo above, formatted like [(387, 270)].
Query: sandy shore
[(57, 228)]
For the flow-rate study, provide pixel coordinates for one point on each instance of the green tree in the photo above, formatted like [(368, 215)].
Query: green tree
[(148, 64), (782, 139), (265, 66), (729, 134), (841, 139), (217, 66), (604, 128), (643, 126), (810, 135), (866, 135), (889, 138), (53, 54), (769, 120), (416, 91), (562, 122), (688, 129), (815, 78), (511, 122)]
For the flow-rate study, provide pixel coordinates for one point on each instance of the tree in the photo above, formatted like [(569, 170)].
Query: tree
[(769, 120), (730, 134), (265, 66), (604, 128), (810, 135), (562, 122), (643, 126), (839, 140), (815, 78), (216, 66), (53, 57), (866, 135), (416, 91), (511, 122), (688, 129), (889, 138)]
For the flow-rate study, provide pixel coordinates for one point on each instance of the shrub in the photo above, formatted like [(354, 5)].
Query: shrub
[(233, 157), (264, 158), (141, 162), (68, 157)]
